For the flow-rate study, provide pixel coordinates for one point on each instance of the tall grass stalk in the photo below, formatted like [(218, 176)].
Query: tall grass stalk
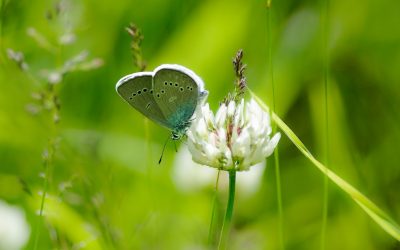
[(270, 71), (325, 53), (214, 208), (48, 157), (47, 162)]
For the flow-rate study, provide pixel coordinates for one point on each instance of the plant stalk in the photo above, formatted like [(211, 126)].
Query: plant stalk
[(274, 128), (226, 226), (214, 207), (47, 165), (325, 34)]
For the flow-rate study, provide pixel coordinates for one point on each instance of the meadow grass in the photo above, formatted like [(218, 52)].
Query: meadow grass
[(270, 71)]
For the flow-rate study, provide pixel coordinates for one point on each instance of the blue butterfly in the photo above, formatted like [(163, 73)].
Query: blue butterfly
[(168, 96)]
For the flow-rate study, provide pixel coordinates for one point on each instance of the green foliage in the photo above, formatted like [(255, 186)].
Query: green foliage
[(105, 189)]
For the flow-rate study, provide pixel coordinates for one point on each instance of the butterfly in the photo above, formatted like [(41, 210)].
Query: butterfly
[(168, 96)]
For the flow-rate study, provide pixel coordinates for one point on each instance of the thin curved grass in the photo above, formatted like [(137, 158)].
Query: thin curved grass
[(377, 214)]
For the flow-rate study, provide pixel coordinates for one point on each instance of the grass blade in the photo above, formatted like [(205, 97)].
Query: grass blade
[(380, 217)]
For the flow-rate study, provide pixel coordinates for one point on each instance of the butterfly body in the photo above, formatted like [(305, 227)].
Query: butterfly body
[(168, 96)]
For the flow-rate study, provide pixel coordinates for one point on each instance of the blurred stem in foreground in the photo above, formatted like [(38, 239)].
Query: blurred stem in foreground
[(274, 128), (226, 226), (214, 208)]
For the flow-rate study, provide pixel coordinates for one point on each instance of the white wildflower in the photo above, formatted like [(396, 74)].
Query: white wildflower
[(236, 138), (190, 177)]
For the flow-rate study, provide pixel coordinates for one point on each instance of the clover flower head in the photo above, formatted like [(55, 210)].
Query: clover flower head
[(235, 138)]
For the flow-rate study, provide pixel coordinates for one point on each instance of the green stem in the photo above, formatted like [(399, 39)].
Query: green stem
[(214, 207), (226, 226), (276, 151), (47, 163), (279, 197), (325, 33)]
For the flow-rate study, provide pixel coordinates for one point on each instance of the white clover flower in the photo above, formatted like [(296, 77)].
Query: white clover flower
[(236, 138), (191, 177)]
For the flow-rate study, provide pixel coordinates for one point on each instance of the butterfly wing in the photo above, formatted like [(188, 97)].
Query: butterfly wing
[(177, 91), (137, 90)]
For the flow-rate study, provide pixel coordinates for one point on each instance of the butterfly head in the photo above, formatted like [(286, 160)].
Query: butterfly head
[(180, 131), (176, 136)]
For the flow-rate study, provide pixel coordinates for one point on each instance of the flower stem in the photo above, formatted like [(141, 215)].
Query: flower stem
[(229, 210), (214, 206)]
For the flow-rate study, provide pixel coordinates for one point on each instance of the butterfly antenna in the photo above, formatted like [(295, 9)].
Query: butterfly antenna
[(162, 153)]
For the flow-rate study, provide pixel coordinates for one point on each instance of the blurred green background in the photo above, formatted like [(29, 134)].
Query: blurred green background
[(105, 188)]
